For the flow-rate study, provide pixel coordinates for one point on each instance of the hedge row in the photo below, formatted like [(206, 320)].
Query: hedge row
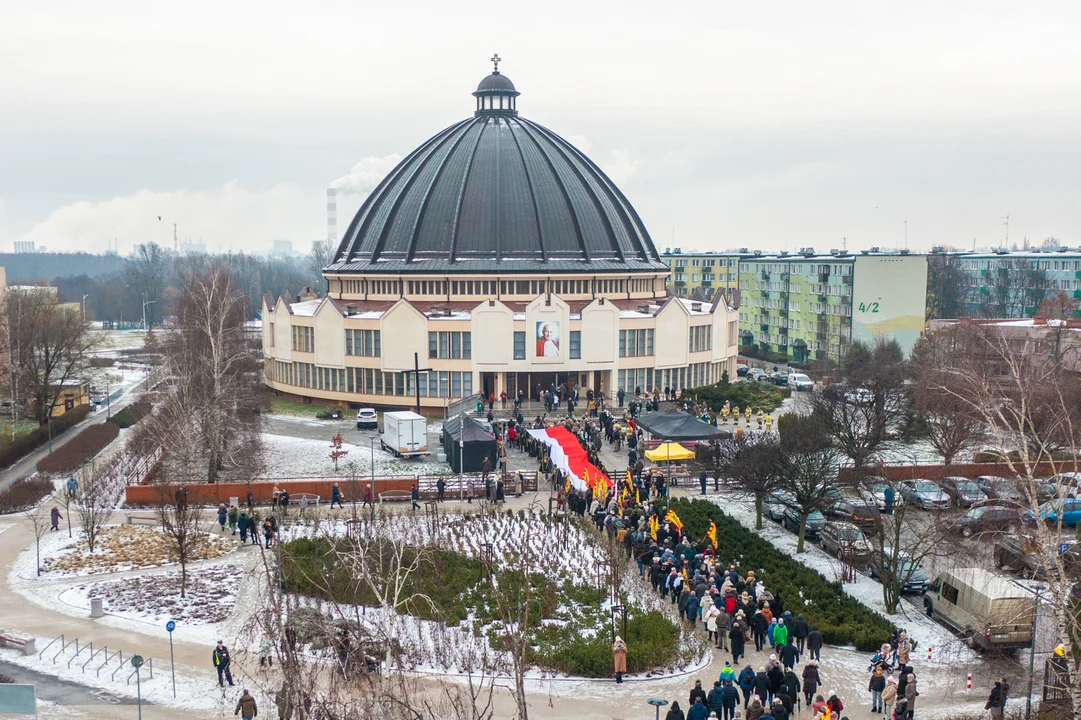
[(37, 437), (841, 619), (132, 413), (739, 394), (24, 493), (80, 449)]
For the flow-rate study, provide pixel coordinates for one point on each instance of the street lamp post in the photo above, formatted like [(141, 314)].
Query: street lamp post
[(146, 328), (84, 306), (371, 442)]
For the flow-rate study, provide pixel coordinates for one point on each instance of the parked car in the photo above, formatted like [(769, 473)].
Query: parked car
[(775, 505), (859, 396), (881, 561), (815, 521), (857, 511), (1069, 508), (924, 494), (990, 611), (1023, 557), (800, 382), (1000, 487), (758, 374), (367, 418), (844, 540), (987, 518), (962, 491), (779, 378), (876, 492), (741, 369)]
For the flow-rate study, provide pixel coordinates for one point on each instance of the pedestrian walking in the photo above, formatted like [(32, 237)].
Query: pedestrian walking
[(266, 659), (303, 506), (811, 681), (910, 695), (414, 496), (814, 643), (221, 664), (55, 517), (335, 496), (223, 516), (246, 707), (242, 525), (996, 701), (368, 495), (876, 686), (440, 488), (619, 658), (234, 516)]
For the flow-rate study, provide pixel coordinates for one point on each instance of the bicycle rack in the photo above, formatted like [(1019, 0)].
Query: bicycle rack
[(42, 653), (108, 659), (93, 655), (118, 669), (64, 648), (89, 646)]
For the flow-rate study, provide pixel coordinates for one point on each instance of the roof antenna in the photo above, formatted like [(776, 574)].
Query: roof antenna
[(495, 64)]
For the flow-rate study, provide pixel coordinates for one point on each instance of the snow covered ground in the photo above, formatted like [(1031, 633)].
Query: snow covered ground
[(208, 598), (293, 457), (948, 649)]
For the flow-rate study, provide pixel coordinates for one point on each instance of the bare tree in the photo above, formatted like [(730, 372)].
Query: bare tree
[(1030, 405), (322, 254), (336, 451), (50, 347), (809, 470), (39, 517), (101, 488), (947, 286), (181, 521), (859, 414), (215, 388), (149, 269), (753, 464), (947, 422), (1060, 314)]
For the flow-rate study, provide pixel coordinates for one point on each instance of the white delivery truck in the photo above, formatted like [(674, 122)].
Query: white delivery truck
[(405, 434)]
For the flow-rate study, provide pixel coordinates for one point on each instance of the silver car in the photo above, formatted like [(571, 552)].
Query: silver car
[(925, 494)]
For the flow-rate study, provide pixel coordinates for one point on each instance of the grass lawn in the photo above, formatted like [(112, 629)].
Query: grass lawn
[(280, 405), (21, 428)]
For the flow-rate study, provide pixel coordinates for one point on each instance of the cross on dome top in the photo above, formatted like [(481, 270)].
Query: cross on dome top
[(495, 63)]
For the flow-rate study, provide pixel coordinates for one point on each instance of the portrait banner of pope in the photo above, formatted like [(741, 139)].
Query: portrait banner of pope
[(548, 338)]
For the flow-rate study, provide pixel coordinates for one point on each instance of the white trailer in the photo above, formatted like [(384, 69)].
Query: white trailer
[(405, 434)]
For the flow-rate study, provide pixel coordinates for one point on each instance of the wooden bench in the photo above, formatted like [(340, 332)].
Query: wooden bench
[(133, 519), (27, 645), (404, 495)]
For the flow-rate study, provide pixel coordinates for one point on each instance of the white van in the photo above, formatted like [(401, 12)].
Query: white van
[(800, 382), (986, 609)]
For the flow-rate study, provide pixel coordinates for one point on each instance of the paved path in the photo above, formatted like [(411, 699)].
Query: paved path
[(28, 464)]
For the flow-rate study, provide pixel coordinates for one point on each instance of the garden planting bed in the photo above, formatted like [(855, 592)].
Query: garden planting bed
[(209, 597), (120, 548), (570, 613)]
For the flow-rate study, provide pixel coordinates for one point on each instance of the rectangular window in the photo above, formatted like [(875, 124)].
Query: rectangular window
[(444, 351), (649, 342), (456, 384), (456, 346), (467, 384), (348, 342), (622, 344), (444, 380), (271, 334), (467, 345), (433, 344), (576, 345), (519, 345)]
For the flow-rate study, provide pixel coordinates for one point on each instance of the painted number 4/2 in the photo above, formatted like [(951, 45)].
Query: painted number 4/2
[(871, 307)]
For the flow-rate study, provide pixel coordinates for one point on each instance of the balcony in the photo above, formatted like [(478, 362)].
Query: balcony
[(784, 311), (847, 279), (765, 275), (680, 268), (679, 283), (765, 327), (707, 283), (824, 277)]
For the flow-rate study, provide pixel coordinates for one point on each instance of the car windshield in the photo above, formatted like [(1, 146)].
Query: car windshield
[(967, 487), (851, 534), (926, 486), (878, 488), (976, 513), (815, 516)]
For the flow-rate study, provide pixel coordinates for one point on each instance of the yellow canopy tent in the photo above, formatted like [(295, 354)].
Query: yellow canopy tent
[(669, 451)]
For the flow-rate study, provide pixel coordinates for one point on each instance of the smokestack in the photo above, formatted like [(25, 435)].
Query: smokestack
[(332, 216)]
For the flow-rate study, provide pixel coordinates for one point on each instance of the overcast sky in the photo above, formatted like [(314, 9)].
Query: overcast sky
[(761, 125)]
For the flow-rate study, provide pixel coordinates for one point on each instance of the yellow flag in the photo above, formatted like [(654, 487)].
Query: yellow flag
[(712, 534), (653, 525), (684, 572), (637, 497), (567, 487), (630, 482), (585, 478), (674, 519)]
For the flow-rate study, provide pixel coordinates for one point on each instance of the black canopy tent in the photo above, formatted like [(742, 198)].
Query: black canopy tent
[(477, 443), (676, 425)]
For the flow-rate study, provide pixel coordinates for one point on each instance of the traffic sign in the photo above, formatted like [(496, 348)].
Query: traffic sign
[(136, 661), (170, 626)]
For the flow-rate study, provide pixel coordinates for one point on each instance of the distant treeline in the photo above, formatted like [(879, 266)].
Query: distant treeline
[(30, 268)]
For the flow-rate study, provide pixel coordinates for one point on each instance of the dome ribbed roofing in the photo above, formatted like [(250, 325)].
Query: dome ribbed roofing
[(496, 192)]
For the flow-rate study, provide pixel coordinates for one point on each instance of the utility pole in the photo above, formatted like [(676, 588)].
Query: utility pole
[(415, 372), (176, 242), (1007, 224)]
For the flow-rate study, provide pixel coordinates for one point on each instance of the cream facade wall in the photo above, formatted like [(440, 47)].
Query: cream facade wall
[(329, 374)]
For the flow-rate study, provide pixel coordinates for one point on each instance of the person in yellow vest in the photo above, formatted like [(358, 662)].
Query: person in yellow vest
[(735, 413), (724, 413), (748, 412), (761, 416), (769, 423)]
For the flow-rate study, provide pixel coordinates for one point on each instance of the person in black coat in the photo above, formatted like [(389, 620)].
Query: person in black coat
[(697, 692), (758, 627), (738, 640), (814, 643), (778, 710), (730, 699), (761, 684), (674, 713), (791, 681), (776, 679), (800, 629), (788, 654), (786, 699)]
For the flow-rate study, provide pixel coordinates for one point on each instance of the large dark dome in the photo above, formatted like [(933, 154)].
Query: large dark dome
[(496, 192)]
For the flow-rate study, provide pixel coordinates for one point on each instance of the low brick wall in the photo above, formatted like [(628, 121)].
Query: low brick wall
[(262, 491), (969, 470)]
